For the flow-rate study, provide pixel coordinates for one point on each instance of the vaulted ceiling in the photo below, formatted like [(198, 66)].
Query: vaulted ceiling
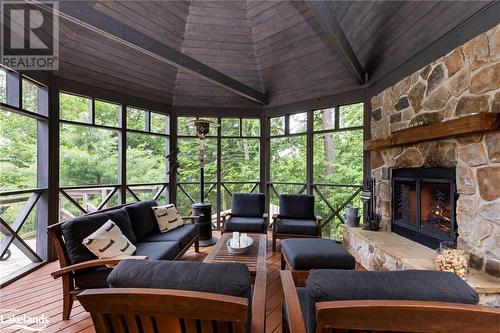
[(236, 49)]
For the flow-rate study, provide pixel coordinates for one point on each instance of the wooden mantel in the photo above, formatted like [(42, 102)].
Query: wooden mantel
[(477, 123)]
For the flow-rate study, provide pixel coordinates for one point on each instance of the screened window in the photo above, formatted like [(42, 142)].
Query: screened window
[(277, 126), (18, 144), (298, 123), (288, 159), (183, 127), (160, 123), (240, 159), (250, 127), (230, 127), (351, 115), (136, 119), (30, 96), (107, 114), (88, 155), (146, 158), (75, 108), (324, 119)]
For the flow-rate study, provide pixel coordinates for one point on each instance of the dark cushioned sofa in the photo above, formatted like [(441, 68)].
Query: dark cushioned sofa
[(138, 224)]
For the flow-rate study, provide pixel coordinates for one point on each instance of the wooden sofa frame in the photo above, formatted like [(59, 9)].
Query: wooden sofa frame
[(277, 235), (66, 271), (388, 315), (121, 310), (226, 215)]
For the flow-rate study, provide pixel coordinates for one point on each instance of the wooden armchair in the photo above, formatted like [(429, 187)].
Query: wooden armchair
[(247, 214), (68, 271), (386, 315), (296, 218), (117, 310)]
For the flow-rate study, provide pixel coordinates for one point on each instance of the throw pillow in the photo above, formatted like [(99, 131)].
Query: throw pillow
[(167, 217), (108, 242)]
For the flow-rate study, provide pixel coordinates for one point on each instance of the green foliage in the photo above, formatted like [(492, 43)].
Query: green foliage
[(75, 108), (136, 119), (107, 114), (88, 156), (18, 145)]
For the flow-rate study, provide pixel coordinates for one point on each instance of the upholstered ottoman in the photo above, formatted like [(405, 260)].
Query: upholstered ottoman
[(303, 254)]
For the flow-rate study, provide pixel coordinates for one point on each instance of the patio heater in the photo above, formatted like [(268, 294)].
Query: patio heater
[(201, 209)]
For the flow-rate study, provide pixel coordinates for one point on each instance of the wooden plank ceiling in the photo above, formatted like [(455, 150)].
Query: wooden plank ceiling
[(275, 47)]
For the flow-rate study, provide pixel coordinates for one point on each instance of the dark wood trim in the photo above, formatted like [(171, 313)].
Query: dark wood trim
[(482, 21), (172, 188), (325, 16), (88, 16), (53, 164), (478, 123), (186, 111), (218, 176), (340, 98), (309, 153), (122, 153), (73, 87)]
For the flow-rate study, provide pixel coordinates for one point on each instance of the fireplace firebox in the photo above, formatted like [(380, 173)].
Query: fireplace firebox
[(423, 205)]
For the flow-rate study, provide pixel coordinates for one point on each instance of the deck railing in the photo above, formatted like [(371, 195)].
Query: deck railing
[(17, 223)]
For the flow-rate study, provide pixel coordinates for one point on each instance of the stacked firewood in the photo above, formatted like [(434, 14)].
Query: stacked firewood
[(454, 261)]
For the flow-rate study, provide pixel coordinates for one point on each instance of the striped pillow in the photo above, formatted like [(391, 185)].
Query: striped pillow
[(108, 242), (167, 217)]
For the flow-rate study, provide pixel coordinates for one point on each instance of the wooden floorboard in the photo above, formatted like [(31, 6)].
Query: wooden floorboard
[(39, 294)]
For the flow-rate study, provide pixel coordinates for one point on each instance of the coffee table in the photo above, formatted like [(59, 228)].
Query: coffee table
[(255, 259)]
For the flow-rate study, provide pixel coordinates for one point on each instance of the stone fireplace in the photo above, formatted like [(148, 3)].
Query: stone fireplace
[(423, 205), (462, 83)]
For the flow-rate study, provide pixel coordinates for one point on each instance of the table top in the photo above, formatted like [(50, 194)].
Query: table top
[(255, 259)]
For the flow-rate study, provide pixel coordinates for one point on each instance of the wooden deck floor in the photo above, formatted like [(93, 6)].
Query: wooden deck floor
[(39, 294)]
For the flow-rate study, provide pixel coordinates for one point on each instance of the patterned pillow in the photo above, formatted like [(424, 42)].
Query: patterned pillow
[(167, 217), (108, 242)]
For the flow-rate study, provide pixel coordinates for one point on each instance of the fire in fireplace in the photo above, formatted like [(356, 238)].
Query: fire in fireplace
[(423, 204)]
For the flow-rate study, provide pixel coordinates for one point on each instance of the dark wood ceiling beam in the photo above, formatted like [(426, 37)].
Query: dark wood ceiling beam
[(324, 14), (85, 15)]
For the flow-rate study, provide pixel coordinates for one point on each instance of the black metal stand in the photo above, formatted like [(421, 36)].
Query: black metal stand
[(204, 213)]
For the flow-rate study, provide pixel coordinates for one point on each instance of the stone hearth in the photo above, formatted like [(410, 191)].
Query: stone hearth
[(386, 251)]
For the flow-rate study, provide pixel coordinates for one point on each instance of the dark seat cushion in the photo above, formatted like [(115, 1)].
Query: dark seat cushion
[(142, 218), (77, 229), (183, 235), (183, 275), (310, 253), (418, 285), (245, 224), (297, 227), (158, 250), (248, 204), (297, 206), (93, 278)]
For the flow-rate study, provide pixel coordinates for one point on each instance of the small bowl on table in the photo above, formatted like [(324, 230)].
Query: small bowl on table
[(242, 246)]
